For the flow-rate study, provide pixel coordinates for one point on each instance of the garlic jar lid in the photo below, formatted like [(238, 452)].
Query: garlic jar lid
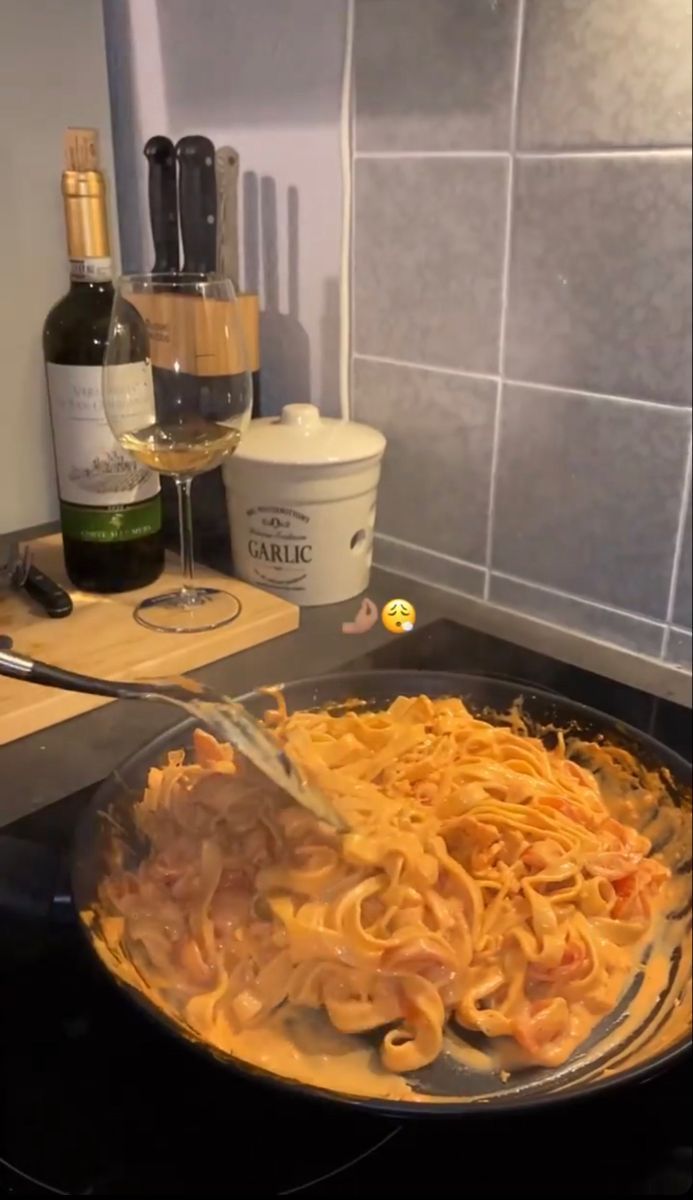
[(302, 437)]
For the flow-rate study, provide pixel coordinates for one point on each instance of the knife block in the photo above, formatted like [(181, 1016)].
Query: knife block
[(204, 346)]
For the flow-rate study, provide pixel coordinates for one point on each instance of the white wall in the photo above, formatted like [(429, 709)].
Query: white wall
[(52, 75), (263, 76)]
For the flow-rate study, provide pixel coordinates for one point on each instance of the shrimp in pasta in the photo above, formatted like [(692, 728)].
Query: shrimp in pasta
[(483, 880)]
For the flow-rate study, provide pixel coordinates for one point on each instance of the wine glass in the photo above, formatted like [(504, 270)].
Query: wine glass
[(178, 395)]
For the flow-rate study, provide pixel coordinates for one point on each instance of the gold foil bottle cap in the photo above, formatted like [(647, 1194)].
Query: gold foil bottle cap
[(83, 183)]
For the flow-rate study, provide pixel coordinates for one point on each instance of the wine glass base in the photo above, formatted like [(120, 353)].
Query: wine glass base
[(190, 610)]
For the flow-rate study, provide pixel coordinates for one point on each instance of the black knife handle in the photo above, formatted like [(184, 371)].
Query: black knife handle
[(163, 203), (197, 203), (53, 599)]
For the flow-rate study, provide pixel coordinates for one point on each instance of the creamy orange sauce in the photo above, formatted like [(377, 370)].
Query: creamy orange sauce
[(295, 1044), (300, 1044)]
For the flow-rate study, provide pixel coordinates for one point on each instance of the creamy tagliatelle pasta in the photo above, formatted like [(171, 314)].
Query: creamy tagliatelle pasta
[(483, 880)]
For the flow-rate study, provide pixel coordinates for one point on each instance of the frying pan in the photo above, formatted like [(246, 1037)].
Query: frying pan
[(660, 1037)]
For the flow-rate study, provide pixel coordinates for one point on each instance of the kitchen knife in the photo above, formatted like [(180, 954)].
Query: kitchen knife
[(197, 203), (228, 261), (163, 203), (158, 310), (53, 599), (165, 311), (212, 352), (197, 206), (227, 170), (159, 307), (18, 571)]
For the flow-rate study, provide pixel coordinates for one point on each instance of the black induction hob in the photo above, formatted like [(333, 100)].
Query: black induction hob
[(97, 1100)]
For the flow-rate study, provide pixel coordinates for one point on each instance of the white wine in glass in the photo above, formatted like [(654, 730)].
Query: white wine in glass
[(178, 395)]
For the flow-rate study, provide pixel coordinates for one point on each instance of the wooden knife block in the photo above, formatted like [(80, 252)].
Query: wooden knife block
[(204, 346)]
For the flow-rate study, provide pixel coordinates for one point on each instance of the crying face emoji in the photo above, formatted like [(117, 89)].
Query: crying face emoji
[(398, 616)]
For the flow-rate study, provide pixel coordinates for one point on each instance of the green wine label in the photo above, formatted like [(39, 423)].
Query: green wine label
[(117, 524)]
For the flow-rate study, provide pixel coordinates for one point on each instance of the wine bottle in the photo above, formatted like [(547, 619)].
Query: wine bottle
[(110, 505)]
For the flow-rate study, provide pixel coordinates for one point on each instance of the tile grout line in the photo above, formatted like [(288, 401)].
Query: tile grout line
[(390, 155), (505, 286), (580, 393), (561, 390), (513, 155), (463, 562), (425, 552), (415, 366), (440, 587), (530, 155), (621, 152), (552, 591), (678, 550), (493, 472)]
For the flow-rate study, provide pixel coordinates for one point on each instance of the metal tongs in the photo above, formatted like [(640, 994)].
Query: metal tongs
[(227, 718)]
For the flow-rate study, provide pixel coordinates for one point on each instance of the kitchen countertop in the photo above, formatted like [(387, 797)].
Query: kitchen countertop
[(46, 766)]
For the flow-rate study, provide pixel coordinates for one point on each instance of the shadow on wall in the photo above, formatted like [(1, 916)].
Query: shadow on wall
[(127, 139), (284, 341)]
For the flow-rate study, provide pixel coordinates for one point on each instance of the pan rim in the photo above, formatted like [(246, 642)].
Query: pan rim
[(379, 1105)]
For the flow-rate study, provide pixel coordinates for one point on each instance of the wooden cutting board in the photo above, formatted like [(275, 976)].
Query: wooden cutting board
[(101, 637)]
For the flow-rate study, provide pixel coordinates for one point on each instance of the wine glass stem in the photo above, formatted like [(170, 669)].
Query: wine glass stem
[(187, 557)]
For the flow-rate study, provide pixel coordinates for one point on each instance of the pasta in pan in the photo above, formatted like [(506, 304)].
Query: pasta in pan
[(482, 880)]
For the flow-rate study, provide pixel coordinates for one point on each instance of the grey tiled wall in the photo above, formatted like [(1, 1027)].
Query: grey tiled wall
[(522, 303)]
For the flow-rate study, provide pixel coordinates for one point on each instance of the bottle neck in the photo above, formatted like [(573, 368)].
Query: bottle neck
[(88, 248), (101, 287), (91, 273)]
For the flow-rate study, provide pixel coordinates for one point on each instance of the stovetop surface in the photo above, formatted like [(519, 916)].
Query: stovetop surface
[(97, 1100)]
